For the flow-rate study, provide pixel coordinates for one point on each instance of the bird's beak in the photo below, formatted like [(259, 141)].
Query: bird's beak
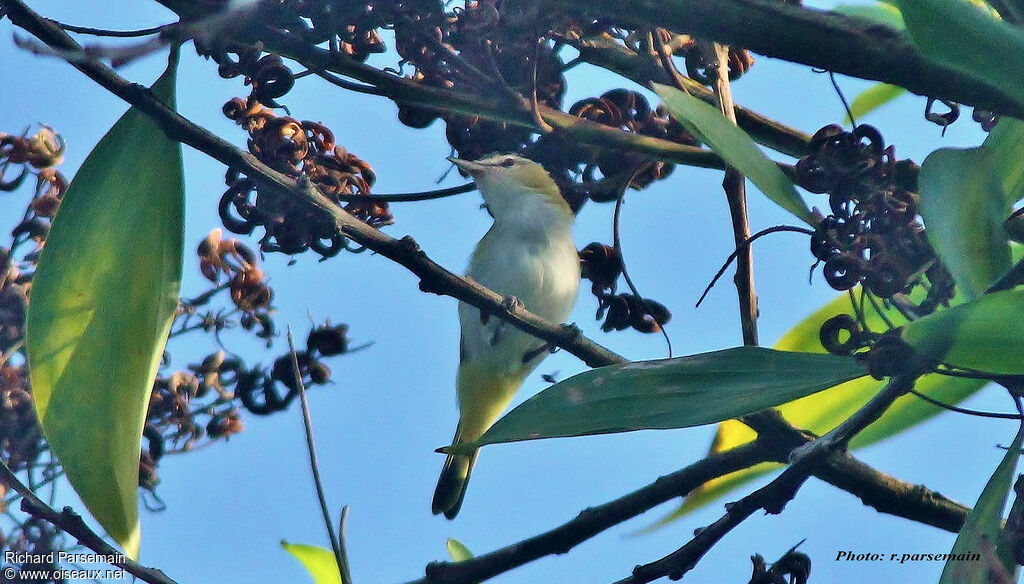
[(467, 165)]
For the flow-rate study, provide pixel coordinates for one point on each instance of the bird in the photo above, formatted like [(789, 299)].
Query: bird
[(528, 256)]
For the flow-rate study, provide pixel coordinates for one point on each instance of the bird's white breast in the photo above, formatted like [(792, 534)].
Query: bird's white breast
[(537, 263)]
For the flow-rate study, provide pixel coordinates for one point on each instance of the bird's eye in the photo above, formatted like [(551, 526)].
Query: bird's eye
[(508, 162)]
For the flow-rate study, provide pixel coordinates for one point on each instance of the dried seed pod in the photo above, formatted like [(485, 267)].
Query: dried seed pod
[(328, 340), (890, 355), (843, 271), (841, 335)]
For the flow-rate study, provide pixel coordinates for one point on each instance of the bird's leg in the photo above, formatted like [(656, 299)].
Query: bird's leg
[(531, 355), (572, 332)]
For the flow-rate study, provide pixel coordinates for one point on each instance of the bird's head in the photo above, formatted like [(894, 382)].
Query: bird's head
[(513, 186)]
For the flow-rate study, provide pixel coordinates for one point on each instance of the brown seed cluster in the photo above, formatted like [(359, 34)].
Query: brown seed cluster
[(204, 402), (24, 158), (497, 48), (305, 151), (589, 172), (189, 408), (602, 265), (873, 237)]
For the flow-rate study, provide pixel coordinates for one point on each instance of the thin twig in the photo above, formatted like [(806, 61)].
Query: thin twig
[(534, 104), (960, 410), (346, 84), (842, 98), (665, 58), (736, 195), (72, 524), (337, 544), (409, 197), (113, 33), (747, 242), (617, 244)]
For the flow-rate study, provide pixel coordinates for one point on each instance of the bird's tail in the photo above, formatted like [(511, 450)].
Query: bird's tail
[(451, 486)]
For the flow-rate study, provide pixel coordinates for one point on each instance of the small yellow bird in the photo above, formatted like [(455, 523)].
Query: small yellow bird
[(528, 256)]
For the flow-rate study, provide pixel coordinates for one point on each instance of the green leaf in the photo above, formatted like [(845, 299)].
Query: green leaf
[(457, 551), (965, 37), (102, 302), (320, 562), (735, 147), (880, 12), (963, 207), (982, 529), (670, 393), (873, 98), (1008, 541), (984, 335), (822, 411), (1006, 143)]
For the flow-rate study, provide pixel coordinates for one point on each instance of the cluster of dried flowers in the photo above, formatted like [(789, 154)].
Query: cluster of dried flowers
[(189, 408)]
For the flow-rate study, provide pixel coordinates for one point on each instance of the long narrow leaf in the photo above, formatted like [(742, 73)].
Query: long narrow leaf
[(671, 393), (102, 302), (973, 559), (823, 411), (736, 148)]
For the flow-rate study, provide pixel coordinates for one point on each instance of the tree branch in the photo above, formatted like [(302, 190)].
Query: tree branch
[(72, 524), (604, 52), (495, 108), (826, 40), (774, 496), (594, 520)]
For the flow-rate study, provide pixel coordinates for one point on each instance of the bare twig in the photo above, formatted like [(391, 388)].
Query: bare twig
[(617, 244), (337, 543), (736, 195), (594, 520), (72, 524), (834, 42), (746, 243), (113, 33), (410, 197)]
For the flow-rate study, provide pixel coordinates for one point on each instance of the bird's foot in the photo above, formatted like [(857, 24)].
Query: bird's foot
[(571, 331), (511, 303)]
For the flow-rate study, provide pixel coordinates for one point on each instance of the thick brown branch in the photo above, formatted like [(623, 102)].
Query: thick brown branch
[(846, 45), (494, 108), (774, 496), (594, 520)]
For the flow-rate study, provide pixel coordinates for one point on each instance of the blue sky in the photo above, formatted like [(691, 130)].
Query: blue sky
[(393, 403)]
